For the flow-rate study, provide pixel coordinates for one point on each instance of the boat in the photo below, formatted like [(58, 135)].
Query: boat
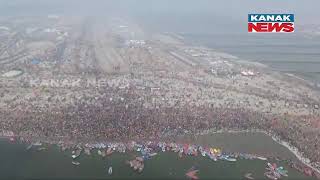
[(29, 147), (38, 143), (75, 163), (230, 159), (283, 173), (248, 176), (200, 148), (163, 149), (227, 158), (153, 154), (110, 170), (76, 153), (203, 153), (261, 158)]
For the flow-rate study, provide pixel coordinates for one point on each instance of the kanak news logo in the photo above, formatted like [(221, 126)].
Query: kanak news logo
[(270, 23)]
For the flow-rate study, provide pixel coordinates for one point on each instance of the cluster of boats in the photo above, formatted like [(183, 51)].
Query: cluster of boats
[(274, 172), (214, 154), (150, 149)]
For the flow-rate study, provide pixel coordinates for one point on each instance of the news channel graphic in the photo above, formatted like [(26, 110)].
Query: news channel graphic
[(270, 23)]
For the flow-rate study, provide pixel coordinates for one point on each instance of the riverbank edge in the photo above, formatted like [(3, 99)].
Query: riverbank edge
[(299, 155)]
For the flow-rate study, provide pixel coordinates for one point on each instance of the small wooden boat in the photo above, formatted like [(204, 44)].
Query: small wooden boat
[(283, 173), (110, 170), (76, 153), (203, 153), (163, 149), (153, 154), (231, 159), (38, 143), (248, 176), (29, 147), (75, 163), (261, 158)]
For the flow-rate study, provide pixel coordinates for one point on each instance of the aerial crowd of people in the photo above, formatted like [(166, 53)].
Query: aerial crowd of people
[(130, 120)]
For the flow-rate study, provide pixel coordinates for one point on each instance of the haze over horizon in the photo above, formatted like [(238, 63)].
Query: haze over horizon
[(221, 16), (142, 88)]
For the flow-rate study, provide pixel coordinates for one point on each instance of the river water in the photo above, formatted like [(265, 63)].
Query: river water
[(292, 54), (17, 162)]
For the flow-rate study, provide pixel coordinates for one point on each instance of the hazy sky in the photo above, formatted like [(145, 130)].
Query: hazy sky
[(181, 14), (304, 8)]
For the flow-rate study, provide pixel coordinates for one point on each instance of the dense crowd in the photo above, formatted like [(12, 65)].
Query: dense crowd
[(130, 120)]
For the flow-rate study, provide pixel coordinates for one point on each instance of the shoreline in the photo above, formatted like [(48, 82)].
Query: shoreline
[(292, 149)]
